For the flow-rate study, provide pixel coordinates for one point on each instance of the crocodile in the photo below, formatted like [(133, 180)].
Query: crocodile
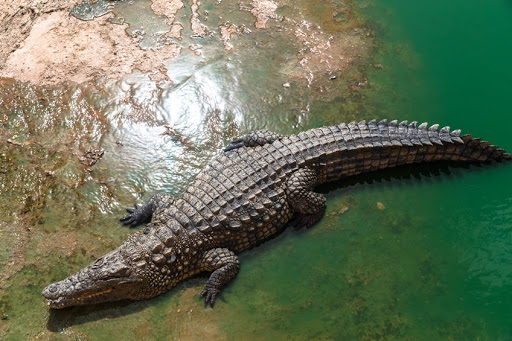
[(262, 183)]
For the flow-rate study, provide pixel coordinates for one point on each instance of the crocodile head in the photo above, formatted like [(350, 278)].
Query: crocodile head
[(109, 278)]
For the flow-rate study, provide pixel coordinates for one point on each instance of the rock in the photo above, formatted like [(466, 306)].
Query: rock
[(340, 211), (91, 156), (14, 142)]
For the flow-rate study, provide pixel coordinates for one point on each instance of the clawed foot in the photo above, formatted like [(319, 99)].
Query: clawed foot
[(137, 216), (236, 143), (209, 295), (253, 139)]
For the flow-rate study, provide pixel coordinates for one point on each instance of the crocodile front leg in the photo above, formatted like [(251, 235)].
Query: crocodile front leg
[(142, 214), (224, 264), (256, 138), (308, 205)]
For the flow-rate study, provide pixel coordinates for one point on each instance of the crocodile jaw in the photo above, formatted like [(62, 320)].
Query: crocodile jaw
[(109, 278), (84, 298)]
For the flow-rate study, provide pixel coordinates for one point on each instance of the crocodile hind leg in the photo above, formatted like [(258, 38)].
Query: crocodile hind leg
[(224, 264), (256, 138), (142, 214), (309, 206)]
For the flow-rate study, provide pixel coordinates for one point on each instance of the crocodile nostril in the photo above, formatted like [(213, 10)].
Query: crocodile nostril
[(50, 291)]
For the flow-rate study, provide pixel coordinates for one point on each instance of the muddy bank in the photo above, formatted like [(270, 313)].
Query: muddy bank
[(18, 17), (42, 44), (46, 46)]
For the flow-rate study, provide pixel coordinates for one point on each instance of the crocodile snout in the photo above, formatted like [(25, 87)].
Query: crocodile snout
[(50, 291)]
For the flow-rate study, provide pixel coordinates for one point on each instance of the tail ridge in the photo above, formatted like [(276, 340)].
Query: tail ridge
[(462, 147)]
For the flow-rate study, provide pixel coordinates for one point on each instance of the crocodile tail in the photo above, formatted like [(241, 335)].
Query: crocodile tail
[(366, 147), (420, 143), (477, 150), (442, 144)]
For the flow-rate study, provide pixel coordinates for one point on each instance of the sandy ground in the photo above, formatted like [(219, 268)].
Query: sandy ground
[(42, 44)]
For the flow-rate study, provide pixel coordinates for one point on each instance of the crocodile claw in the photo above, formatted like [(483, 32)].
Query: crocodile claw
[(209, 295), (134, 218), (234, 144)]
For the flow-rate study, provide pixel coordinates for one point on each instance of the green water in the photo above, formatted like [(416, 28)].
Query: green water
[(421, 253)]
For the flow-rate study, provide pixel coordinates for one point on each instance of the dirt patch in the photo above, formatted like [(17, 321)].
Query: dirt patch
[(42, 44), (167, 8), (175, 31), (199, 29), (170, 8), (263, 10), (17, 18), (54, 47)]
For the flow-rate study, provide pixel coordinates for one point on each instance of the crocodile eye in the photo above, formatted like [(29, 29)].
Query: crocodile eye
[(98, 262), (121, 271), (124, 272)]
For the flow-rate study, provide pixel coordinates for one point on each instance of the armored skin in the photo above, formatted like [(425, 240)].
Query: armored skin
[(262, 183)]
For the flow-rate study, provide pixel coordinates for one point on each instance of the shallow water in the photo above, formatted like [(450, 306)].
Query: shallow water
[(417, 253)]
